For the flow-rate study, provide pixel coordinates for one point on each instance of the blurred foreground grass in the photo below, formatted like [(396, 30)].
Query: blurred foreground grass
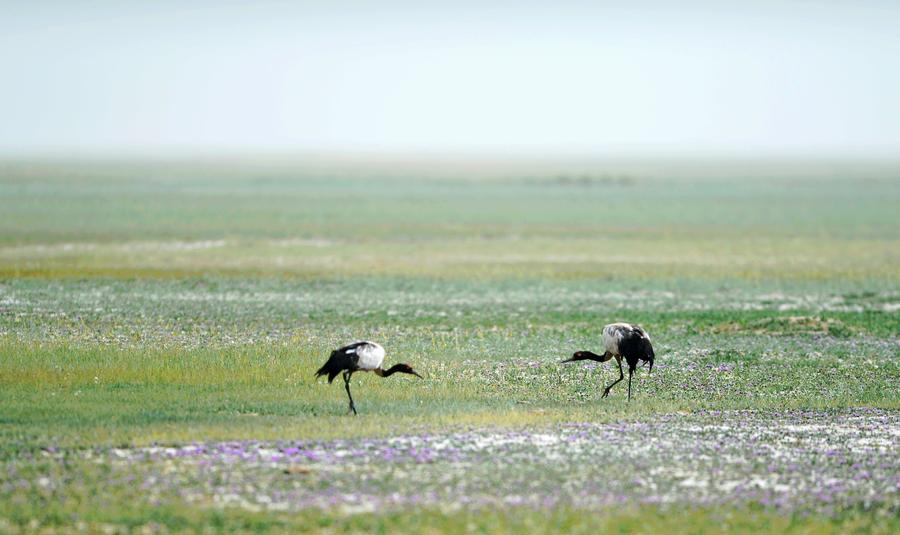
[(427, 521)]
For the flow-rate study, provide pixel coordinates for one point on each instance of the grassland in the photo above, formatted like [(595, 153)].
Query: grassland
[(172, 304), (69, 220)]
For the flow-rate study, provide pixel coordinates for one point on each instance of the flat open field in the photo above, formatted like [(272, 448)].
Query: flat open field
[(160, 324)]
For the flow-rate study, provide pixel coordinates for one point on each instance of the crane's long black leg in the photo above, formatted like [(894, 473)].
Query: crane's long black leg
[(347, 386), (621, 376), (630, 374)]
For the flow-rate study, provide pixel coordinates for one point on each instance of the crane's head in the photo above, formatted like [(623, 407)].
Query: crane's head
[(578, 355), (401, 368), (648, 360)]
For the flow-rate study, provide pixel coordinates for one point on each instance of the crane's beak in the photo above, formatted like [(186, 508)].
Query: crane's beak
[(417, 374)]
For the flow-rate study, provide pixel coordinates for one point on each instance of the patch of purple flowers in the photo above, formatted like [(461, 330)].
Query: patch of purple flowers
[(800, 460)]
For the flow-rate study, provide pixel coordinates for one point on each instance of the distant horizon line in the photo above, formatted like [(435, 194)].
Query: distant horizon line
[(461, 156)]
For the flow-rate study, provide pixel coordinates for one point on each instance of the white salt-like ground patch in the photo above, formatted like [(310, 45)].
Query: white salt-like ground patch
[(176, 245), (303, 242), (56, 248)]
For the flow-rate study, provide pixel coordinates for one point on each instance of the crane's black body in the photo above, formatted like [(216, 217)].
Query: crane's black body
[(621, 341), (356, 357), (341, 360)]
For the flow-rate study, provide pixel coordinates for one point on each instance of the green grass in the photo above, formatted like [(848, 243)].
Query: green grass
[(73, 395), (167, 303), (629, 520)]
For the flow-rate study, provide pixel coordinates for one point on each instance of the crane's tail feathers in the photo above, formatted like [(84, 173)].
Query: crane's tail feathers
[(324, 370), (332, 367)]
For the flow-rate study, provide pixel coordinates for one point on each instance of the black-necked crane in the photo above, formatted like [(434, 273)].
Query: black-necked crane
[(621, 340), (359, 357)]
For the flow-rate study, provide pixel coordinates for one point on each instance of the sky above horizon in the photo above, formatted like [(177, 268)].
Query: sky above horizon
[(600, 78)]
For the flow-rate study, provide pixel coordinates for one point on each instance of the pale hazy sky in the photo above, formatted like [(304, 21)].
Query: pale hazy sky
[(811, 77)]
